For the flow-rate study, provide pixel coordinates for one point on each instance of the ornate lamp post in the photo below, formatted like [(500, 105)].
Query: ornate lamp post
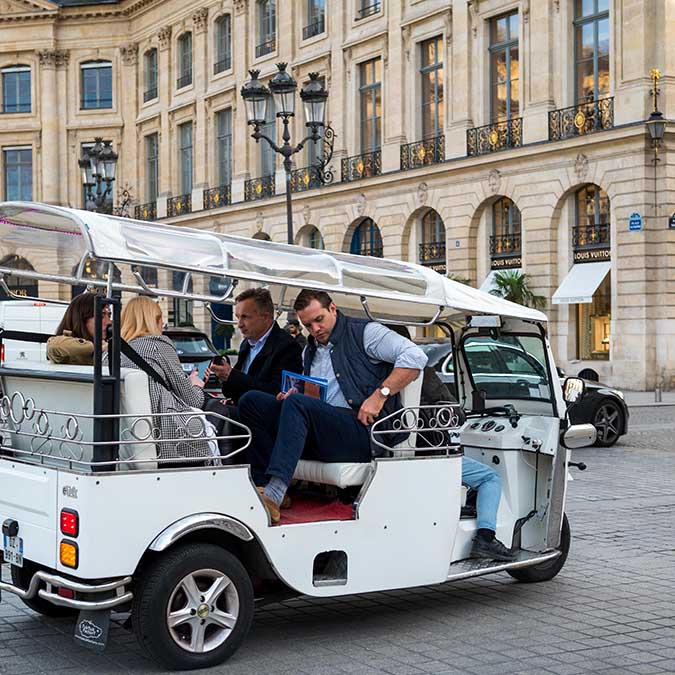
[(656, 124), (98, 174), (282, 88)]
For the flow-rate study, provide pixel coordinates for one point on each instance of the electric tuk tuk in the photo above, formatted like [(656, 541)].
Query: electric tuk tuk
[(97, 518)]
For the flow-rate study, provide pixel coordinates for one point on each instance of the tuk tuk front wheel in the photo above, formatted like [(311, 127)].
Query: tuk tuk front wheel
[(193, 607), (546, 571)]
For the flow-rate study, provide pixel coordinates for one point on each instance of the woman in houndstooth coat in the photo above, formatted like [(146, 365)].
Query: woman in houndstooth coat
[(141, 327)]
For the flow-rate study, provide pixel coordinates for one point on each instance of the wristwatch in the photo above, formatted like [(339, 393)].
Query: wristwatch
[(385, 391)]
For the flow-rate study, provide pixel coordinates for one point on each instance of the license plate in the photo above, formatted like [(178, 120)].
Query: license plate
[(13, 550)]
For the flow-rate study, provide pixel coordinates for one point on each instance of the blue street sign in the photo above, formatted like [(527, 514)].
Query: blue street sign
[(635, 222)]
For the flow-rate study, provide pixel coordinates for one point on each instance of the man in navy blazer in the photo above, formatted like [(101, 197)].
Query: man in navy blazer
[(266, 349)]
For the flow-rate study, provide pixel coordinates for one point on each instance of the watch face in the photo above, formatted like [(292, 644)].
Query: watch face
[(385, 391)]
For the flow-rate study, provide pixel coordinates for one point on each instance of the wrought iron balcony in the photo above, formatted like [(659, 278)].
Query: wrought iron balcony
[(259, 188), (177, 206), (361, 166), (368, 10), (184, 80), (590, 236), (222, 65), (146, 211), (423, 153), (149, 94), (217, 197), (373, 251), (315, 28), (431, 253), (266, 47), (305, 178), (584, 118), (493, 137), (505, 245)]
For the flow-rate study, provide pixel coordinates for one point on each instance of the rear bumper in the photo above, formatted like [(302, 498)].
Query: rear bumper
[(44, 585)]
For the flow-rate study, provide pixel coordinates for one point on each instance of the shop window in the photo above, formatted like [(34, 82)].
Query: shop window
[(593, 324), (367, 239)]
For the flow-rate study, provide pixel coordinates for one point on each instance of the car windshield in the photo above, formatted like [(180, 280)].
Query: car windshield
[(510, 367), (191, 345)]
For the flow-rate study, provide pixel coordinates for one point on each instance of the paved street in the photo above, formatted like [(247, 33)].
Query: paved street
[(611, 609)]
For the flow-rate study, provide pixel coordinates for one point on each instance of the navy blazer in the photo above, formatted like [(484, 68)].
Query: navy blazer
[(280, 352)]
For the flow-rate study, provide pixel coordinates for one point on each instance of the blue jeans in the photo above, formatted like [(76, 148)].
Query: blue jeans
[(299, 427), (486, 481)]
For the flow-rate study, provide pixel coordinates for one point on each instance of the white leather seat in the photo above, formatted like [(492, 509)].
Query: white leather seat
[(347, 474)]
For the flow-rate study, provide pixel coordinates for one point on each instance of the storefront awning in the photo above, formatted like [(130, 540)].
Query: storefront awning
[(580, 283), (489, 283)]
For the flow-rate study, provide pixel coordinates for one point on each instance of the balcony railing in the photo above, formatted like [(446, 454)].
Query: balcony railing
[(217, 197), (493, 137), (423, 153), (584, 118), (146, 211), (304, 179), (361, 166), (315, 28), (184, 80), (505, 245), (259, 188), (368, 10), (222, 65), (149, 94), (266, 47), (432, 252), (590, 236), (177, 206)]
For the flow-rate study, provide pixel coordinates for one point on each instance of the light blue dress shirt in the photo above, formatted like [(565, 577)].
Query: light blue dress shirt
[(381, 344), (255, 348)]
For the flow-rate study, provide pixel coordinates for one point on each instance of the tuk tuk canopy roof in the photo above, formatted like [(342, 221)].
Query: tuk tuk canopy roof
[(387, 289)]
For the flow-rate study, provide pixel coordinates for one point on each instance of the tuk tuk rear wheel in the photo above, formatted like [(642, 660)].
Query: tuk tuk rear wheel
[(21, 577), (193, 607), (546, 571)]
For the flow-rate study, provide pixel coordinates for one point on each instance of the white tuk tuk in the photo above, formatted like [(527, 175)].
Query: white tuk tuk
[(94, 519)]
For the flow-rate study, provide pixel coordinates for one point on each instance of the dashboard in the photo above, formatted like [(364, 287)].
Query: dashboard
[(527, 433)]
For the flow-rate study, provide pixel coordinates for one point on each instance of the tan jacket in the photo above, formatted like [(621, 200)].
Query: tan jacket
[(70, 350)]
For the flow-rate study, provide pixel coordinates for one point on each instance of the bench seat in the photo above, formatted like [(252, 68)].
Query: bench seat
[(340, 474)]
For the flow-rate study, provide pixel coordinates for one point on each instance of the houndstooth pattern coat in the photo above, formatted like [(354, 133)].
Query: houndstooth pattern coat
[(182, 426)]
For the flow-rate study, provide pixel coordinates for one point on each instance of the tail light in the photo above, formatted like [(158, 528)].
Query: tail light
[(69, 554), (70, 522), (2, 353)]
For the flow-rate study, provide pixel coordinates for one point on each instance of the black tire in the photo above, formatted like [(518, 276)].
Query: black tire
[(546, 571), (608, 421), (161, 587), (21, 577)]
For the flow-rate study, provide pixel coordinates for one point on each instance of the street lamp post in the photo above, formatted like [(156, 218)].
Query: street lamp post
[(282, 88), (98, 174)]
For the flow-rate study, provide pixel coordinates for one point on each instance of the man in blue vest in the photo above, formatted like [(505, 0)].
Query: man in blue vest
[(366, 365)]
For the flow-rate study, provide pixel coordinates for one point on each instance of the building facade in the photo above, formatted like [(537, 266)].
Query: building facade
[(473, 136)]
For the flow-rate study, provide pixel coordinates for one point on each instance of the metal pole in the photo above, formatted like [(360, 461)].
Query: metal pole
[(289, 207)]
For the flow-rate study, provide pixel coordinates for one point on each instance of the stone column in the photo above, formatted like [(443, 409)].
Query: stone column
[(129, 158), (458, 99), (393, 119), (164, 90), (200, 76), (243, 158)]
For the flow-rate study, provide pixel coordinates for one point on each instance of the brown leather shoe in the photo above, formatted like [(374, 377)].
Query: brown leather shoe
[(285, 502)]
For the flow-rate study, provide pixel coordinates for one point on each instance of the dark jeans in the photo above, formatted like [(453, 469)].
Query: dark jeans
[(223, 427), (299, 427)]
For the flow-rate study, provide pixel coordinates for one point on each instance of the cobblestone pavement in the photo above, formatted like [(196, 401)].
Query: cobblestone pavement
[(610, 610)]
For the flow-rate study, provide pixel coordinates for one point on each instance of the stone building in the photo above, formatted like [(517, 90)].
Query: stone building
[(470, 135)]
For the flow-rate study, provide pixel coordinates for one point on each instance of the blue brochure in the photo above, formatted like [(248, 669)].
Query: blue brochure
[(316, 387)]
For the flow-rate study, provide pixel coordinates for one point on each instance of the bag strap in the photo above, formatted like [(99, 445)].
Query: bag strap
[(138, 360)]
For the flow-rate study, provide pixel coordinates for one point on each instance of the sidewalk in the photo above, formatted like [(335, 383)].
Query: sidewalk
[(641, 399)]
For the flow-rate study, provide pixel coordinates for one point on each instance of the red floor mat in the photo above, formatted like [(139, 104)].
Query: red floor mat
[(310, 509)]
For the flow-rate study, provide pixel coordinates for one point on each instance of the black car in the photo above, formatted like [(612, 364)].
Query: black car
[(603, 407), (195, 349)]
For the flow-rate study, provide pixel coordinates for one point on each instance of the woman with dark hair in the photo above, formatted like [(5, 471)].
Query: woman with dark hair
[(73, 343)]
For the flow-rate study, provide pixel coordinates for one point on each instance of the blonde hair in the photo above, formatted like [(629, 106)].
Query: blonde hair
[(140, 317)]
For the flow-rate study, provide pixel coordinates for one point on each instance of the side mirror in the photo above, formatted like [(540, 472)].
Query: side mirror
[(573, 390), (561, 372), (579, 436)]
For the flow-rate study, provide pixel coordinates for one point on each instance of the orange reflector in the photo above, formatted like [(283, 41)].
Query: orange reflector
[(68, 554)]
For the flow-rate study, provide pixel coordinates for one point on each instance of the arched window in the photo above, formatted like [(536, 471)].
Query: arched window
[(263, 236), (432, 241), (16, 89), (223, 44), (96, 85), (310, 237), (505, 240), (95, 270), (27, 288), (184, 60), (592, 218), (367, 239)]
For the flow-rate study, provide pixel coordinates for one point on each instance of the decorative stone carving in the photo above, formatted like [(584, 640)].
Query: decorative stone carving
[(494, 180), (581, 167), (422, 193), (240, 6), (473, 11), (405, 34), (53, 58), (306, 214), (361, 203), (556, 4), (259, 221), (164, 37), (447, 20), (525, 10), (129, 54), (199, 20)]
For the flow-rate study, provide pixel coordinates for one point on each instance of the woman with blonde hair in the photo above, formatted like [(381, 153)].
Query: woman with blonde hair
[(141, 326)]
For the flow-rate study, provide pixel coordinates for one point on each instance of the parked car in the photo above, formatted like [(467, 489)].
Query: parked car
[(602, 406), (195, 349)]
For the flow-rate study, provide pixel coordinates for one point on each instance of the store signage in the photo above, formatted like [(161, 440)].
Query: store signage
[(635, 222), (441, 268), (671, 221), (591, 255), (506, 263)]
